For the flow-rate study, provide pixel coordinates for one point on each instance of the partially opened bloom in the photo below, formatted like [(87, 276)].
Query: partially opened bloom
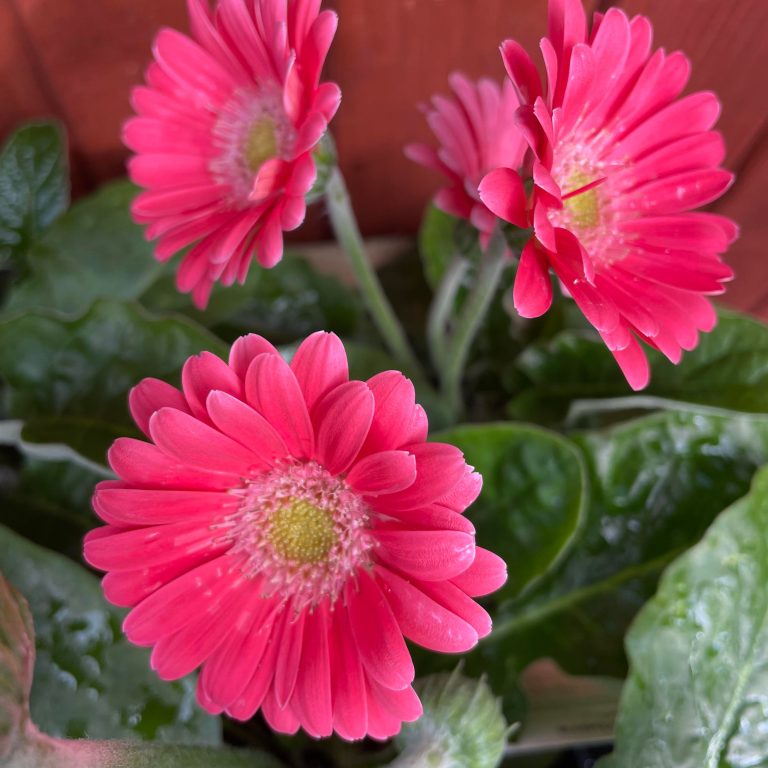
[(224, 135), (284, 529), (619, 162), (477, 133)]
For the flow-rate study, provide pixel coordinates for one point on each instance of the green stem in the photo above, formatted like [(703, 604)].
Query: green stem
[(472, 315), (348, 235), (442, 307)]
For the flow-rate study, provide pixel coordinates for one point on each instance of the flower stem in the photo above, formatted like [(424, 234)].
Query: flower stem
[(442, 307), (348, 235), (472, 315)]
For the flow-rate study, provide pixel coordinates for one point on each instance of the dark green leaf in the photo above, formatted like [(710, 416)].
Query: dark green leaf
[(49, 502), (34, 186), (437, 243), (533, 499), (94, 251), (729, 369), (656, 485), (696, 695), (69, 379), (88, 679)]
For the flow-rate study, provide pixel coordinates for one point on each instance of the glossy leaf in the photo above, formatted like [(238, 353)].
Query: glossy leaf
[(69, 379), (729, 369), (94, 251), (49, 502), (88, 680), (656, 484), (34, 186), (533, 499), (696, 696)]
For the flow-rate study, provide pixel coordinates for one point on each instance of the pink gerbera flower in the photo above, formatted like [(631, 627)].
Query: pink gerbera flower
[(284, 530), (619, 162), (224, 135), (477, 133)]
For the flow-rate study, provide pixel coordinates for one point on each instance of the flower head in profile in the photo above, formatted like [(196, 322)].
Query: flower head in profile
[(224, 134), (619, 162), (284, 528), (477, 133)]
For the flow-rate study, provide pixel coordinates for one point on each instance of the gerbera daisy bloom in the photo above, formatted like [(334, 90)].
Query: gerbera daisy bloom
[(284, 529), (224, 135), (618, 163), (477, 133)]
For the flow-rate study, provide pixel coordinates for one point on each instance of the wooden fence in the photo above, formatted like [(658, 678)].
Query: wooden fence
[(77, 59)]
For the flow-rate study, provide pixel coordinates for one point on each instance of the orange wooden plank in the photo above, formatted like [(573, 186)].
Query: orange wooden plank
[(21, 94), (726, 41), (390, 56), (91, 52)]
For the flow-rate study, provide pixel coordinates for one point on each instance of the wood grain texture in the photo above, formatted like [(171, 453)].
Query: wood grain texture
[(726, 42), (90, 53)]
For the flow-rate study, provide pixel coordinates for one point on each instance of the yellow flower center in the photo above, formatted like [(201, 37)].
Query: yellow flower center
[(583, 208), (302, 532), (261, 143)]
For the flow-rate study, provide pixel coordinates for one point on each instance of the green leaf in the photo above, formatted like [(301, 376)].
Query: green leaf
[(49, 502), (656, 484), (69, 379), (34, 186), (696, 695), (88, 679), (729, 369), (533, 499), (94, 251), (437, 243)]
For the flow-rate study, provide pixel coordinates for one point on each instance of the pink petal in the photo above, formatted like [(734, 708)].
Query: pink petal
[(131, 506), (422, 620), (196, 444), (456, 601), (434, 516), (288, 657), (313, 691), (522, 71), (181, 653), (227, 672), (245, 349), (257, 688), (382, 473), (272, 389), (532, 294), (439, 467), (202, 374), (486, 574), (350, 711), (464, 493), (342, 420), (240, 422), (379, 639), (503, 192), (145, 465), (279, 719), (150, 395), (127, 588), (320, 365), (634, 365), (178, 603), (427, 555), (397, 420)]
